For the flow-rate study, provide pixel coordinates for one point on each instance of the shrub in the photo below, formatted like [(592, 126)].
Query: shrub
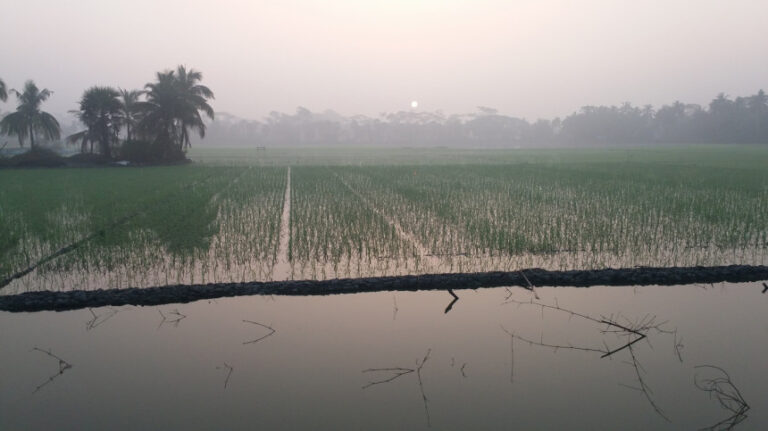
[(89, 159), (39, 157), (142, 152)]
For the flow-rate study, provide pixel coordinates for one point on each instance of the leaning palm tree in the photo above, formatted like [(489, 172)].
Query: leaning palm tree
[(28, 119), (173, 105), (101, 111), (129, 99), (3, 92)]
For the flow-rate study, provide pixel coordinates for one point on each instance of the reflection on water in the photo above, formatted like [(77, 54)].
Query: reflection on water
[(681, 357)]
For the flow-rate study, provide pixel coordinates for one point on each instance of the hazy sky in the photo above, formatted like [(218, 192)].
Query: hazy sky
[(527, 58)]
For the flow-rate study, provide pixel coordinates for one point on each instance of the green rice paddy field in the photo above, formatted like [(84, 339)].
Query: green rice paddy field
[(241, 215)]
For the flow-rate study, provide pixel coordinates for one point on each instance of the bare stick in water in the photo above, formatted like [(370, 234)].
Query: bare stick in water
[(63, 366), (229, 373), (450, 306), (727, 395), (269, 328)]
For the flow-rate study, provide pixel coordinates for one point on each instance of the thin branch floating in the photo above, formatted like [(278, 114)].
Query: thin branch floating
[(63, 366), (633, 331), (173, 318), (269, 328), (229, 373), (727, 395), (450, 306), (397, 372)]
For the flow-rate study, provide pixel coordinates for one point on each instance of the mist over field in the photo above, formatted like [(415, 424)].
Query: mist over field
[(357, 65)]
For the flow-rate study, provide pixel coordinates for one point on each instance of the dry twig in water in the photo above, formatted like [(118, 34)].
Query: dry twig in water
[(455, 298), (642, 386), (397, 372), (173, 318), (271, 332), (511, 354), (63, 366), (726, 393), (229, 373), (633, 331), (530, 285), (99, 319), (421, 387)]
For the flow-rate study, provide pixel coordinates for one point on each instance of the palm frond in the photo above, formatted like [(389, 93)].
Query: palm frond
[(3, 91), (15, 124), (77, 137), (49, 126)]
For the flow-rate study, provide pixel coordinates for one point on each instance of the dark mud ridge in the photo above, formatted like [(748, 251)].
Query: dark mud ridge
[(77, 299)]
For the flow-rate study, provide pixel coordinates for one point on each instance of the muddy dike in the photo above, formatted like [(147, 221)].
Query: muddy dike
[(181, 293)]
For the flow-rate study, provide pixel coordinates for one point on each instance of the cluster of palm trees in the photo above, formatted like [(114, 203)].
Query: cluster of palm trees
[(162, 115)]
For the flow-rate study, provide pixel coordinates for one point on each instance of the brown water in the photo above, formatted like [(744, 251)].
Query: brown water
[(196, 366)]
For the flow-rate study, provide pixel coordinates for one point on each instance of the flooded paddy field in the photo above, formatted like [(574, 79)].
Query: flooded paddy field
[(266, 220), (528, 355), (496, 358)]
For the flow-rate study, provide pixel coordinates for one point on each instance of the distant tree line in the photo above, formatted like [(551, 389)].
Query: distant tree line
[(159, 123), (149, 125), (725, 120)]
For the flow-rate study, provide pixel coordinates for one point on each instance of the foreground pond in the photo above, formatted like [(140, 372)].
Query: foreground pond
[(394, 361)]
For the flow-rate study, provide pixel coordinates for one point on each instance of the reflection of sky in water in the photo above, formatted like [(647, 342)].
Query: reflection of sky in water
[(134, 370)]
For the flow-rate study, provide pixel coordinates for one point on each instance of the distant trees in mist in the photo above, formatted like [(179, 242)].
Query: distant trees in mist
[(159, 122), (725, 120)]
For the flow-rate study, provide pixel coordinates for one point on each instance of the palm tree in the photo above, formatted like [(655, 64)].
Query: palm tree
[(3, 93), (28, 119), (102, 113), (129, 99), (173, 106), (194, 99), (158, 113)]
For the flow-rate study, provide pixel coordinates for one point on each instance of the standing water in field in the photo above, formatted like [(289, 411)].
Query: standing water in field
[(560, 358), (211, 223)]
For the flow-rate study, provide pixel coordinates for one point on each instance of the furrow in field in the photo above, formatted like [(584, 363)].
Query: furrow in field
[(432, 261), (282, 269)]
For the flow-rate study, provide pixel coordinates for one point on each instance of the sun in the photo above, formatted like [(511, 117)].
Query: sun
[(415, 104)]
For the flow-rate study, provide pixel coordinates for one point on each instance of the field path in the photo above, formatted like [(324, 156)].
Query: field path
[(282, 270), (425, 255)]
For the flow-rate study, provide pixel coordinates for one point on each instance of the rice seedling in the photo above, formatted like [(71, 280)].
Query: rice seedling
[(455, 212)]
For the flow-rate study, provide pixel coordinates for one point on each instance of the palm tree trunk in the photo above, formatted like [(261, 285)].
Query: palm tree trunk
[(105, 149), (183, 137), (31, 138)]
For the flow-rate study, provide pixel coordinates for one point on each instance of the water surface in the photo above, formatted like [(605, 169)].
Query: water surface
[(212, 365)]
